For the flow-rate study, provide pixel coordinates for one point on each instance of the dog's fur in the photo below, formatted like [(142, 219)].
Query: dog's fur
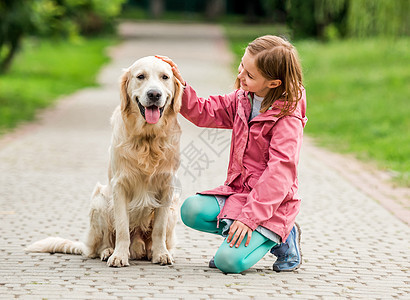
[(134, 215)]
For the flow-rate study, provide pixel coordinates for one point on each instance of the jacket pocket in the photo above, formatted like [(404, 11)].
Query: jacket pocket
[(250, 182)]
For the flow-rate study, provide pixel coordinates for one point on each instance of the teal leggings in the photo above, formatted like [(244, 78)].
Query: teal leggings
[(200, 212)]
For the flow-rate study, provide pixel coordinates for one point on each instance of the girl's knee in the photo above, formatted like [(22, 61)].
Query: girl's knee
[(237, 260), (191, 210), (229, 260), (200, 212)]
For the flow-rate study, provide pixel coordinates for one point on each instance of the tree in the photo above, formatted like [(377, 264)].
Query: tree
[(57, 18), (378, 17), (14, 23), (301, 17), (356, 18), (215, 9), (157, 8), (330, 14)]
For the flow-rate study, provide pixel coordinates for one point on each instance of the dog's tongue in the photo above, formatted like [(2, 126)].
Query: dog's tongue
[(152, 114)]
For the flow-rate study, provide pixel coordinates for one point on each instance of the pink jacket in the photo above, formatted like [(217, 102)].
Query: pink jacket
[(261, 183)]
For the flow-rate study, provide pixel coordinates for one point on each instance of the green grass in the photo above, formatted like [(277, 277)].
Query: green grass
[(45, 70), (358, 97)]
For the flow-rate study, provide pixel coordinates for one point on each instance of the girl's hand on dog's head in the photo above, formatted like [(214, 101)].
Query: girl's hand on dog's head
[(174, 67)]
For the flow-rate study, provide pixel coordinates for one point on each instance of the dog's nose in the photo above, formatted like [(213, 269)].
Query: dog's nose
[(154, 95)]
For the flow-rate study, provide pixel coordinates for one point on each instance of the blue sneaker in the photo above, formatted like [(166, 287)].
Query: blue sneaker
[(212, 263), (289, 257)]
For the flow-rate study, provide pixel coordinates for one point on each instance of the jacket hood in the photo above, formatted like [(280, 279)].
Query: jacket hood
[(274, 110)]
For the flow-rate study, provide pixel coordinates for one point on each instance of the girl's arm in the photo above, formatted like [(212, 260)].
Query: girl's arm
[(279, 177), (214, 112)]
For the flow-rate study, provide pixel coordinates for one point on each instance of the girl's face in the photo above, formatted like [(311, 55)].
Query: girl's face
[(251, 79)]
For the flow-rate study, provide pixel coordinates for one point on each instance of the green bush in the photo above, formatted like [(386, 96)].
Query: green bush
[(378, 18), (353, 18)]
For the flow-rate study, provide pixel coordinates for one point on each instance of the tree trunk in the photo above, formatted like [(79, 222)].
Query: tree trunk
[(215, 9), (5, 63), (157, 8)]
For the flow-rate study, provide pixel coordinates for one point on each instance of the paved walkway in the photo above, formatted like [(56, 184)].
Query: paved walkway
[(352, 246)]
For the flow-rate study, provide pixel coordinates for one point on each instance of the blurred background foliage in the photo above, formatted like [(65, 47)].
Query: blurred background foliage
[(67, 19), (325, 19), (306, 18)]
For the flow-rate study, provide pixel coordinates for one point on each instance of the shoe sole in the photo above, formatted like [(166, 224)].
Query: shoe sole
[(299, 233)]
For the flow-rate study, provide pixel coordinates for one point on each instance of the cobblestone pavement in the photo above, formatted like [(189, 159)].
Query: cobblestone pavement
[(352, 247)]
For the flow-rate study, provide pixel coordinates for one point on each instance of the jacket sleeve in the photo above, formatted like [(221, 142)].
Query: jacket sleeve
[(214, 112), (279, 176)]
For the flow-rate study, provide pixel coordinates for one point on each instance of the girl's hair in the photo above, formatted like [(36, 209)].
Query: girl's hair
[(276, 58)]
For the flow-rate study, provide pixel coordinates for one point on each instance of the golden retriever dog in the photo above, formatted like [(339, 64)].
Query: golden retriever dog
[(134, 215)]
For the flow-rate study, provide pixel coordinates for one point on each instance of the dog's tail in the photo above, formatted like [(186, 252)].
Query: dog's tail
[(57, 245)]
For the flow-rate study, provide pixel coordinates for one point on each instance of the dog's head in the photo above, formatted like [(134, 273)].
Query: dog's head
[(150, 89)]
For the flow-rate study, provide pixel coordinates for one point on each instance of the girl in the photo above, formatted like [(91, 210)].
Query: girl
[(256, 207)]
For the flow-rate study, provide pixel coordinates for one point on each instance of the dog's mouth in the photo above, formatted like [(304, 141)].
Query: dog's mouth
[(152, 113)]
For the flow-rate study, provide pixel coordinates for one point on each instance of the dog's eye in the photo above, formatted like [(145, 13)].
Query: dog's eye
[(165, 77), (141, 76)]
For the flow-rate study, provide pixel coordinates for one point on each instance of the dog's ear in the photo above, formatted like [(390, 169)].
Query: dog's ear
[(177, 101), (125, 98)]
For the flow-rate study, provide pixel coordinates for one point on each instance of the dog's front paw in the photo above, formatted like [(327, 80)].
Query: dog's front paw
[(105, 254), (162, 258), (118, 259)]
